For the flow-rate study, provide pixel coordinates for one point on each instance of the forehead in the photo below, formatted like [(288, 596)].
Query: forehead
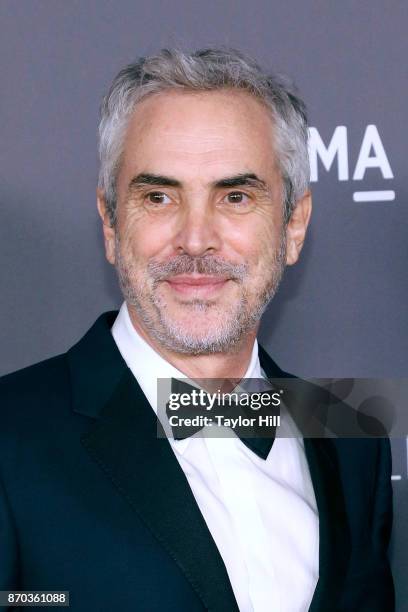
[(208, 133)]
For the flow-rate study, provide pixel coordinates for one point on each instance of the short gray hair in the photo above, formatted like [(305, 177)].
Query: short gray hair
[(205, 70)]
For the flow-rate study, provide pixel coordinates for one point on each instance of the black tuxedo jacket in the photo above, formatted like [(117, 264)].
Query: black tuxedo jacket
[(91, 501)]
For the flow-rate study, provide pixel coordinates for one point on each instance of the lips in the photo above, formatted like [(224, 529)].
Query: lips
[(196, 280), (197, 284)]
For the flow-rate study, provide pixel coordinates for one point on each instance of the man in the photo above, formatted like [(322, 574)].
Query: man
[(204, 199)]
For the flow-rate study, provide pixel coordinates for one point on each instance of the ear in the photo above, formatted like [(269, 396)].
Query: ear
[(108, 230), (296, 228)]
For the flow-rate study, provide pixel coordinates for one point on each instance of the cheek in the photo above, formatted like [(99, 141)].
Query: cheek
[(143, 238), (255, 240)]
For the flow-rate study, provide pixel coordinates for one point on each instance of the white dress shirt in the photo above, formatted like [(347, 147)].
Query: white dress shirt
[(262, 514)]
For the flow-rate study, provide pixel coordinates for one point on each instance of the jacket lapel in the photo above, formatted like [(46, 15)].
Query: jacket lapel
[(124, 443), (334, 535)]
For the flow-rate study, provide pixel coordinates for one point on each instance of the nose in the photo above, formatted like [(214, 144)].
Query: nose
[(197, 232)]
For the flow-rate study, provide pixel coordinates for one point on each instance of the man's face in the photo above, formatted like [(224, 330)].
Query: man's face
[(199, 243)]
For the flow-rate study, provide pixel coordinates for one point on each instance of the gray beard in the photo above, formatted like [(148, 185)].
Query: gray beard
[(239, 319)]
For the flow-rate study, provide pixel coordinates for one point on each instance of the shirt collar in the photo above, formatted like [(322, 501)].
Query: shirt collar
[(147, 365)]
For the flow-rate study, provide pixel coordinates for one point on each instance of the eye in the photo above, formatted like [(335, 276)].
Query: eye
[(158, 198), (237, 199)]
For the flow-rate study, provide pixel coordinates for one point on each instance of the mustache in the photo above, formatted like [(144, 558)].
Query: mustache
[(205, 264)]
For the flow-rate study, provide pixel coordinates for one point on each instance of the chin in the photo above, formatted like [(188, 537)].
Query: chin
[(196, 329), (203, 334)]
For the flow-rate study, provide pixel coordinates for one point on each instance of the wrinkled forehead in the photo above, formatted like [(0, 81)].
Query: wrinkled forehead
[(200, 135)]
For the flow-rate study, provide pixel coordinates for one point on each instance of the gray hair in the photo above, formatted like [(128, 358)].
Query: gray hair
[(205, 70)]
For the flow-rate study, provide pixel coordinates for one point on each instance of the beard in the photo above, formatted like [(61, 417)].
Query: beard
[(225, 325)]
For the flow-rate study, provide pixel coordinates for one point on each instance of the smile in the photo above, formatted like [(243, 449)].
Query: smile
[(197, 285)]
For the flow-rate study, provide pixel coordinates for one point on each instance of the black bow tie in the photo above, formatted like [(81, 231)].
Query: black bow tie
[(257, 438)]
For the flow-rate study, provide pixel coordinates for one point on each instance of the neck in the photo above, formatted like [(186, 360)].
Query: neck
[(228, 365)]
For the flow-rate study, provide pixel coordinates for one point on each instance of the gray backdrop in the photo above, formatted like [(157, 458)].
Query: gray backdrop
[(341, 311)]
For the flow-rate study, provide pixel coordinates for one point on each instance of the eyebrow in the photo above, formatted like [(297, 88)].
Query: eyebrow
[(238, 180), (249, 179), (153, 179)]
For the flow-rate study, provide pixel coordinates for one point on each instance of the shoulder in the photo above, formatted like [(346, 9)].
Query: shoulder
[(48, 381), (37, 380), (370, 449), (33, 392), (41, 398), (363, 459), (365, 469), (35, 404)]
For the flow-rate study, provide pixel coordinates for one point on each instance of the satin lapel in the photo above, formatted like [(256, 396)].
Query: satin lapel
[(145, 471), (334, 535)]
